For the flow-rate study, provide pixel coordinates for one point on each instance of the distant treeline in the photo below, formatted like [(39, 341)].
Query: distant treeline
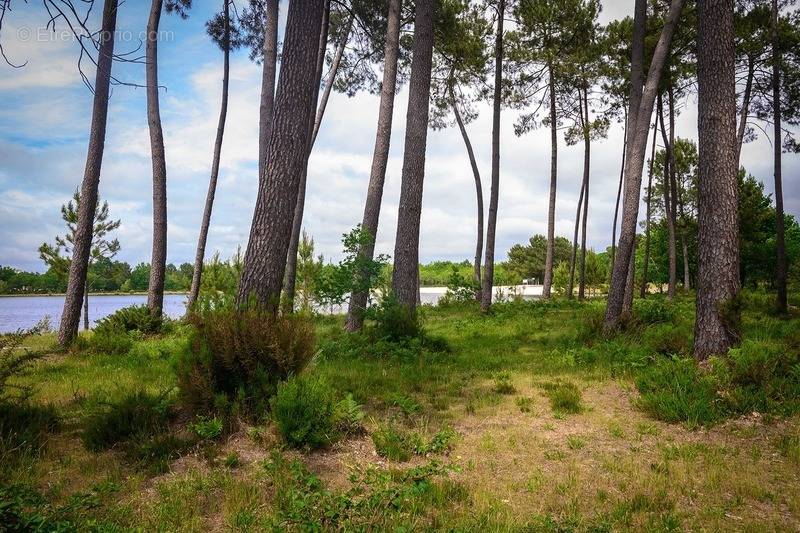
[(105, 275), (118, 276)]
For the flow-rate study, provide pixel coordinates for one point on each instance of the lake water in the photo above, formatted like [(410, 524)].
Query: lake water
[(24, 311), (18, 312)]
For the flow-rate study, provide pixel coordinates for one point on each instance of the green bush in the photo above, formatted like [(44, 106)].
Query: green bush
[(136, 415), (653, 311), (667, 339), (235, 358), (761, 376), (132, 318), (304, 411), (393, 320), (112, 342), (349, 416), (207, 428), (676, 390)]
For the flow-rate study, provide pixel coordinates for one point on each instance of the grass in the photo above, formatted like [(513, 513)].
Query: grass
[(529, 419)]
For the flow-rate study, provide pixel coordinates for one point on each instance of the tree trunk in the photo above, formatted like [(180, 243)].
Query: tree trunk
[(290, 277), (646, 261), (637, 146), (267, 106), (491, 225), (619, 190), (748, 90), (405, 275), (76, 286), (380, 156), (669, 213), (627, 305), (86, 307), (551, 208), (716, 325), (287, 157), (571, 284), (158, 261), (780, 243), (478, 189), (676, 207), (587, 142), (194, 291)]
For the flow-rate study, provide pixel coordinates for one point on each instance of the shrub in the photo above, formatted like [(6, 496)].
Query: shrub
[(393, 320), (460, 289), (23, 426), (676, 390), (653, 311), (16, 361), (304, 411), (565, 397), (207, 428), (667, 339), (111, 342), (235, 358), (349, 416), (761, 376), (136, 415), (131, 318)]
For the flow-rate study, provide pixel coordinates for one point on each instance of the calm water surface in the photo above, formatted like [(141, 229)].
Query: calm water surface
[(24, 311), (18, 312)]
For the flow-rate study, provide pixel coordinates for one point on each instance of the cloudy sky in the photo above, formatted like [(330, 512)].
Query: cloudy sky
[(45, 116)]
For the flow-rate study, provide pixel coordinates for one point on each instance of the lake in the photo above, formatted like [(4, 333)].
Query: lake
[(19, 312), (24, 311)]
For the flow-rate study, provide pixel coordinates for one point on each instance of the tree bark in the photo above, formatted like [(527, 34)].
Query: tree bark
[(748, 90), (202, 239), (627, 305), (587, 143), (781, 266), (491, 224), (646, 261), (380, 156), (76, 285), (267, 107), (717, 314), (478, 189), (158, 261), (675, 192), (405, 275), (86, 307), (551, 207), (669, 213), (573, 257), (619, 190), (287, 156), (641, 109), (290, 277)]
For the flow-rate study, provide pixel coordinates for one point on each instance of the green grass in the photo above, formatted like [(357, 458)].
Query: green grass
[(523, 418)]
